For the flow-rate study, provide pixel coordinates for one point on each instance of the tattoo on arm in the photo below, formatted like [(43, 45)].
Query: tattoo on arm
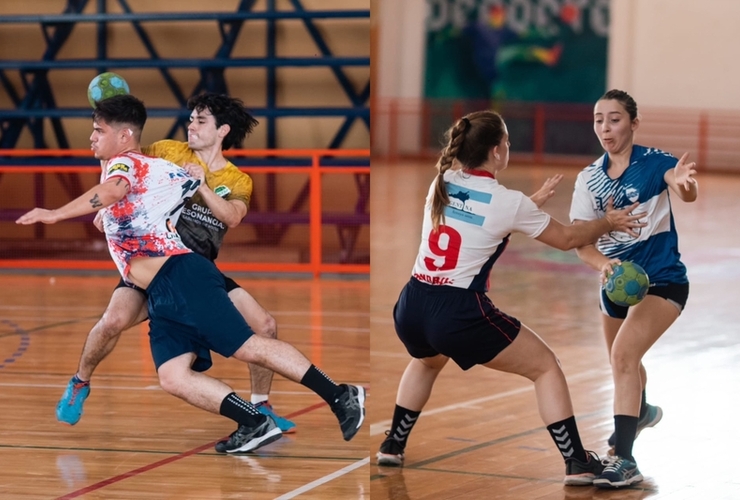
[(119, 181), (95, 201)]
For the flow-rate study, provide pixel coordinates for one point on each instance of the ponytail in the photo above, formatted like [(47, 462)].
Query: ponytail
[(440, 198)]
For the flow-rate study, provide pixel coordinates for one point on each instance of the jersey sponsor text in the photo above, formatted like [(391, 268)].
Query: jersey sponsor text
[(434, 280)]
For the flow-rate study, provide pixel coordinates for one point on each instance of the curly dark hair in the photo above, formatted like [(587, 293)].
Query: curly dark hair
[(226, 110), (121, 110)]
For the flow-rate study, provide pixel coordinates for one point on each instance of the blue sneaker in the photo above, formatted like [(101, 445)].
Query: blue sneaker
[(618, 472), (69, 408), (285, 425)]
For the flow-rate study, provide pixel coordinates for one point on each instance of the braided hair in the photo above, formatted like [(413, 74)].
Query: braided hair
[(468, 141)]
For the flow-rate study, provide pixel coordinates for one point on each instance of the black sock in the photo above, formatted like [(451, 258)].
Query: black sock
[(240, 411), (643, 404), (566, 437), (77, 380), (626, 429), (403, 422), (320, 383)]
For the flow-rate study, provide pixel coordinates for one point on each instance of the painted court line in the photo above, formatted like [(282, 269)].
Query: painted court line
[(324, 480), (168, 460), (132, 388), (381, 427), (324, 328), (135, 472)]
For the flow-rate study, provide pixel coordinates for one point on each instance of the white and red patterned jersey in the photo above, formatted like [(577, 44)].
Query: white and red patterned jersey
[(481, 216), (142, 223)]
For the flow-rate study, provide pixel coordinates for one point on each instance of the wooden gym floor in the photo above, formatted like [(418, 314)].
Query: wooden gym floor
[(135, 441), (480, 436)]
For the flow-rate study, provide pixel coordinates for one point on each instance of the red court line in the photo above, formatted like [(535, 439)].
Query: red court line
[(146, 468)]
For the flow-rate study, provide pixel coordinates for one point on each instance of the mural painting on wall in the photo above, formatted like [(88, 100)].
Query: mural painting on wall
[(517, 50)]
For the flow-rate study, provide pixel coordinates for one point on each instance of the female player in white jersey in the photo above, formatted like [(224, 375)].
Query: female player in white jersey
[(628, 173), (443, 312)]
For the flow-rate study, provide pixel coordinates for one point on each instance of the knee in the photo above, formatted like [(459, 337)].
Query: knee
[(252, 350), (555, 361), (623, 362), (267, 327), (549, 363), (172, 379), (434, 364), (113, 323), (552, 363)]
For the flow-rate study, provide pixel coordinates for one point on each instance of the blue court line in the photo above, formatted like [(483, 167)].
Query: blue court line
[(20, 330), (23, 344)]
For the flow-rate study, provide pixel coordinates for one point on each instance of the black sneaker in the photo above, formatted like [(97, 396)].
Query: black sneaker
[(583, 473), (391, 452), (250, 438), (349, 407)]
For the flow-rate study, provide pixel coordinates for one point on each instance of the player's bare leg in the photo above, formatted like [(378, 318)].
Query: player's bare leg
[(207, 393), (413, 393), (645, 324), (528, 355), (262, 324), (650, 415), (127, 307)]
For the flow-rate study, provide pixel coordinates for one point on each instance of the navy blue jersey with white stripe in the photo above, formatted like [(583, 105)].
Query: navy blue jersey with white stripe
[(656, 246)]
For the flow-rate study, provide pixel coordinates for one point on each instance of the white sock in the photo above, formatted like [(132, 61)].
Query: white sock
[(258, 398)]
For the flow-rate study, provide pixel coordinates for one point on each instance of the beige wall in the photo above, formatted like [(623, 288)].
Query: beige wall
[(676, 53), (401, 46)]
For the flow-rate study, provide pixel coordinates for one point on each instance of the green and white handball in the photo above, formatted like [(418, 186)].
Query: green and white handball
[(627, 285)]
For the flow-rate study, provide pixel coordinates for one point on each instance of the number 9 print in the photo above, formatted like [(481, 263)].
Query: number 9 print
[(449, 253)]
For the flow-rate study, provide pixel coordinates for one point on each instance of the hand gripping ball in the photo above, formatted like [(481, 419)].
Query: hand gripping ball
[(627, 285)]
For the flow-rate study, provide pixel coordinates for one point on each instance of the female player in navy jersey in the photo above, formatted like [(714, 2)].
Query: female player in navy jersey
[(443, 312), (628, 173)]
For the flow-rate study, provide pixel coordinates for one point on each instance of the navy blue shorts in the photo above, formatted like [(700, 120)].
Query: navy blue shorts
[(230, 285), (190, 311), (461, 324), (677, 293)]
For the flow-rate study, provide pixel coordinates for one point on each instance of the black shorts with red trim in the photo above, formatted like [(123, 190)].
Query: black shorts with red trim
[(459, 323)]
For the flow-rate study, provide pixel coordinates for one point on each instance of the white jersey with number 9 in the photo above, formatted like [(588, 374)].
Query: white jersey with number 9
[(477, 224)]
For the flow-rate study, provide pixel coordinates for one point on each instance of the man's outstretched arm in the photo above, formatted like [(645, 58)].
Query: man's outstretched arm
[(100, 196)]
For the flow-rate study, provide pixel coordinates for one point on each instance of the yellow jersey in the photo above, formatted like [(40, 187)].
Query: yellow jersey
[(199, 229)]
